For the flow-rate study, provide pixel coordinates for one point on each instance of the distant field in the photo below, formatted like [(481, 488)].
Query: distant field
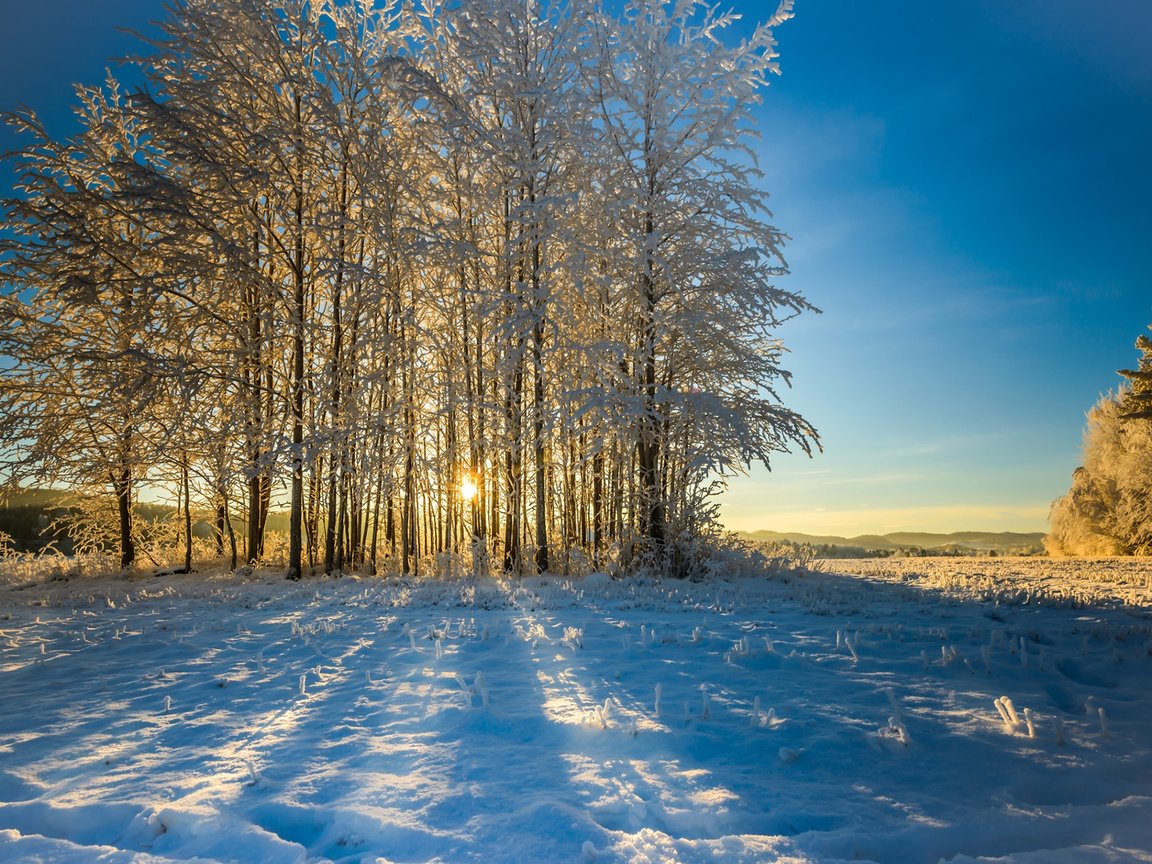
[(1085, 581), (955, 543)]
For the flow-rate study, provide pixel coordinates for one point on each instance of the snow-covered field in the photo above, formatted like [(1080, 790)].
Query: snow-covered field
[(921, 710)]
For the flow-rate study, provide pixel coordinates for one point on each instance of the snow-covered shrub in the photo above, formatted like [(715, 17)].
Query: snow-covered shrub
[(714, 555), (481, 562), (7, 546), (90, 524), (451, 565), (573, 562)]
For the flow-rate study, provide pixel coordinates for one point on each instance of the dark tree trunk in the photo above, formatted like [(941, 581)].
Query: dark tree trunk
[(187, 515), (296, 515), (122, 485), (221, 528), (648, 449)]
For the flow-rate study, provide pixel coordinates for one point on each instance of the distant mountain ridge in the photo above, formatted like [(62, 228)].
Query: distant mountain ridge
[(1000, 542)]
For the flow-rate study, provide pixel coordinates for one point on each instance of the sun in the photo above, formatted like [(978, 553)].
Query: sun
[(468, 489)]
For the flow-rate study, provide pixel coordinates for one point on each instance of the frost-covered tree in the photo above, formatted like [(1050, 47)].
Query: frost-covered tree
[(491, 277), (84, 329), (693, 256), (1108, 511)]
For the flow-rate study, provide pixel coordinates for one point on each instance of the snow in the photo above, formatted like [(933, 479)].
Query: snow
[(956, 710)]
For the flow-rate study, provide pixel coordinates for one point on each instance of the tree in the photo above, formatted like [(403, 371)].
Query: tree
[(1137, 399), (1107, 510), (697, 258), (84, 247)]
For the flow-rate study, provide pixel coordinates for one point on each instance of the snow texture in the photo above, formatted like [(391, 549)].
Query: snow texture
[(920, 711)]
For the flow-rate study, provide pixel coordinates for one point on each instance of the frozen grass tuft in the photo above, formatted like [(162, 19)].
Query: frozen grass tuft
[(1008, 714), (603, 712)]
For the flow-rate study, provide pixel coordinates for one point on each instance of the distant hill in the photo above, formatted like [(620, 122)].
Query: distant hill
[(35, 497), (999, 543)]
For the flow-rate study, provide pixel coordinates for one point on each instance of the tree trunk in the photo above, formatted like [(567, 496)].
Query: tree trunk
[(512, 467), (648, 449), (231, 532), (187, 515), (220, 529), (538, 441), (122, 485), (337, 464), (296, 516)]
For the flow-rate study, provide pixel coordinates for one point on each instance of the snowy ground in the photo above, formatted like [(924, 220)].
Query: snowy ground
[(821, 717)]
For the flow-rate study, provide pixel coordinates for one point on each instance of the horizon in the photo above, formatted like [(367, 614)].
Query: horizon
[(856, 536)]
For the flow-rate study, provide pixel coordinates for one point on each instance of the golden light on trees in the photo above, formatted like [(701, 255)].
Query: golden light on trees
[(377, 370)]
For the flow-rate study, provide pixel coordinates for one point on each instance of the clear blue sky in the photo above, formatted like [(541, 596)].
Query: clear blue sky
[(968, 188)]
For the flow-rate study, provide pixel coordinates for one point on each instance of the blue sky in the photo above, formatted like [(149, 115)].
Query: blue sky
[(967, 188)]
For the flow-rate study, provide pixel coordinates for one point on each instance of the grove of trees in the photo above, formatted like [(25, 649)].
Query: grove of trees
[(484, 277), (1108, 510)]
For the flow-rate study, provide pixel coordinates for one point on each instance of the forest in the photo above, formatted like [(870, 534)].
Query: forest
[(484, 282)]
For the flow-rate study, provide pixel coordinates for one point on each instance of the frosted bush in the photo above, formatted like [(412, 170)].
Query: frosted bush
[(452, 566)]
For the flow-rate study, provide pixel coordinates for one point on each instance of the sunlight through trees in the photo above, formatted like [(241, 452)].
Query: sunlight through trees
[(487, 276)]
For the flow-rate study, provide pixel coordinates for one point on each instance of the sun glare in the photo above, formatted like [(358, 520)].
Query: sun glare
[(468, 489)]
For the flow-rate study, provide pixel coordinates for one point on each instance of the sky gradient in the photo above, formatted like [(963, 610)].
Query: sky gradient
[(967, 189)]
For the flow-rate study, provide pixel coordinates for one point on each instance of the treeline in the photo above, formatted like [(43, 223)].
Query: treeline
[(1108, 510), (488, 276), (67, 528)]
